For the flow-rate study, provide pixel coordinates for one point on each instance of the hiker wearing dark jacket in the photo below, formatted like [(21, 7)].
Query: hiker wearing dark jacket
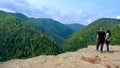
[(100, 40)]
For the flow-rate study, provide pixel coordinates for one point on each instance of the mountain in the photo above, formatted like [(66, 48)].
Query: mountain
[(39, 27), (19, 40), (83, 58), (75, 26), (19, 15), (87, 35), (56, 27), (48, 27)]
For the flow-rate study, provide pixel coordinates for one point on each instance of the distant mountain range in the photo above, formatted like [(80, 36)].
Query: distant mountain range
[(19, 15), (57, 31), (87, 35), (55, 27), (75, 26)]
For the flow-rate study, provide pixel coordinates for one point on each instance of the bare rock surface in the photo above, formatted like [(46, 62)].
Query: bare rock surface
[(83, 58)]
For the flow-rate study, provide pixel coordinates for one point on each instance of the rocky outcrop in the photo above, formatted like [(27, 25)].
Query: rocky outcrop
[(83, 58)]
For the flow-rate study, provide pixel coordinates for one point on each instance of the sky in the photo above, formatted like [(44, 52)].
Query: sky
[(65, 11)]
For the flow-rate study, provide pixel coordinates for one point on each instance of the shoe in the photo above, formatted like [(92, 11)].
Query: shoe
[(107, 52), (96, 50)]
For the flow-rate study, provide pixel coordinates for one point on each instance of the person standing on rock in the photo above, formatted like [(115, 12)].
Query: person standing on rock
[(100, 40), (108, 39)]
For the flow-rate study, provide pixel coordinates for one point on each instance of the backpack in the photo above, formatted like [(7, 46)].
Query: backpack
[(108, 37)]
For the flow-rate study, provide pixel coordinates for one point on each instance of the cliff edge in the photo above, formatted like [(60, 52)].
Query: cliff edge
[(83, 58)]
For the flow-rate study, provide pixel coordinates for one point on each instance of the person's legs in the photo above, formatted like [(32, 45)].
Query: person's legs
[(102, 43), (107, 44), (98, 44)]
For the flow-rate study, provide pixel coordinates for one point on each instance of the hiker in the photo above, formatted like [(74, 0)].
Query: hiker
[(100, 39), (108, 39)]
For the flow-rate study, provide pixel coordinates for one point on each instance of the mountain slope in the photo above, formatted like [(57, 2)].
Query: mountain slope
[(83, 58), (75, 26), (56, 27), (87, 35), (35, 24), (40, 28), (19, 40), (19, 15)]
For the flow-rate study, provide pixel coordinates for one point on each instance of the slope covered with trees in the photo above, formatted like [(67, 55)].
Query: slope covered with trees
[(20, 40), (19, 15), (87, 35), (56, 27), (40, 28), (53, 29)]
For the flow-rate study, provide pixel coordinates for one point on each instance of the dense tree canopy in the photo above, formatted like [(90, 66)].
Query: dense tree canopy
[(57, 31), (20, 40)]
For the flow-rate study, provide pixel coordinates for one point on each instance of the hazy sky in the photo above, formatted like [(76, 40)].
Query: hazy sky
[(65, 11)]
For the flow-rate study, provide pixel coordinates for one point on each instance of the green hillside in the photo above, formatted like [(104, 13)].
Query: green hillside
[(87, 36), (20, 40), (41, 28), (19, 15), (56, 27)]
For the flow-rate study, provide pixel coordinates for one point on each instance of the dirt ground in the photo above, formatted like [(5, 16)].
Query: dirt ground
[(83, 58)]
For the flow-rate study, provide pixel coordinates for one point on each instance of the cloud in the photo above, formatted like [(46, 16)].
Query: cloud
[(14, 5), (89, 21), (38, 8), (118, 17)]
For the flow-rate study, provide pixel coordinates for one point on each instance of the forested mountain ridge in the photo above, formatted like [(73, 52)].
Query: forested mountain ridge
[(51, 28), (40, 28), (87, 35), (20, 40), (19, 15), (56, 27)]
